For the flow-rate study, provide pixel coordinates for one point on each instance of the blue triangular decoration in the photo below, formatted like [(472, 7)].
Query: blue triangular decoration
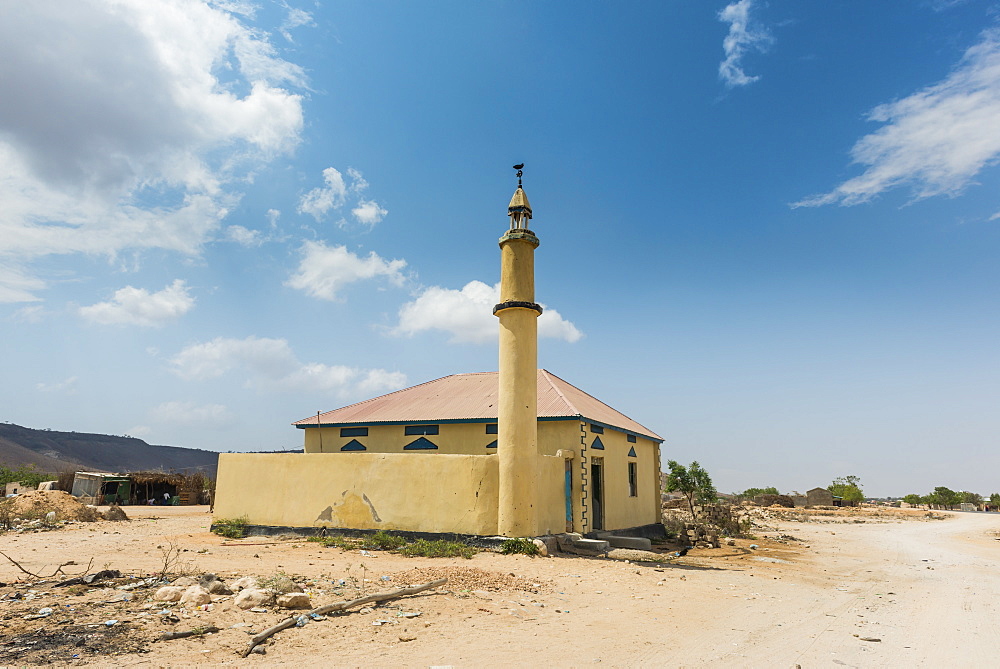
[(598, 444), (631, 452), (492, 444), (353, 445), (421, 444)]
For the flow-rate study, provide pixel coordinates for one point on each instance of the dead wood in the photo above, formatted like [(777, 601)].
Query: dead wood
[(340, 606), (197, 631), (58, 570)]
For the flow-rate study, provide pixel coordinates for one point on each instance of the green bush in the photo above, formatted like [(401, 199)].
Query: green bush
[(383, 541), (520, 546), (231, 528), (437, 548)]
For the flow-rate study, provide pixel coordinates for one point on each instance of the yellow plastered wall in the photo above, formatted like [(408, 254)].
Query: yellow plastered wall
[(447, 493), (620, 509), (453, 438)]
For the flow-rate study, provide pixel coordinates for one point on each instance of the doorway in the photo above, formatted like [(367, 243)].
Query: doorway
[(597, 490)]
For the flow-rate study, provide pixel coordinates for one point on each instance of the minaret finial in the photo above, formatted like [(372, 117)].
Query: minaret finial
[(519, 169)]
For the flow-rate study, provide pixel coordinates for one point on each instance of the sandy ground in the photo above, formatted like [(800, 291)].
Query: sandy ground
[(843, 592)]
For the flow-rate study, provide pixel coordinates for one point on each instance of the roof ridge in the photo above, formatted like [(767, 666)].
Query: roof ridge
[(621, 413), (372, 399), (547, 374)]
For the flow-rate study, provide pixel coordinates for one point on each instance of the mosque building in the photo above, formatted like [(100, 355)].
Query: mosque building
[(517, 453)]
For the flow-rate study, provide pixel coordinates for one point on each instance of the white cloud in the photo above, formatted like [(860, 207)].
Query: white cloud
[(319, 201), (156, 141), (137, 306), (244, 236), (16, 285), (270, 364), (190, 414), (29, 314), (296, 18), (273, 215), (743, 37), (68, 386), (467, 315), (935, 140), (358, 182), (325, 270), (369, 212)]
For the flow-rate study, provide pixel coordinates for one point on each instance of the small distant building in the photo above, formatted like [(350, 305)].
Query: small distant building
[(819, 497), (15, 488), (99, 488)]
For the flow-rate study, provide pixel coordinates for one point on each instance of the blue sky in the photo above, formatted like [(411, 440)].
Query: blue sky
[(769, 230)]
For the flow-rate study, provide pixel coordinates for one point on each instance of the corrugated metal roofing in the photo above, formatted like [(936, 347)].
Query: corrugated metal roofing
[(474, 397)]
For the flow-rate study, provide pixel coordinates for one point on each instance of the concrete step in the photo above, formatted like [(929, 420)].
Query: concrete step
[(572, 542), (637, 543)]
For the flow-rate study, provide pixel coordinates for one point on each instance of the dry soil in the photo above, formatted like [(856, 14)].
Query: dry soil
[(836, 590)]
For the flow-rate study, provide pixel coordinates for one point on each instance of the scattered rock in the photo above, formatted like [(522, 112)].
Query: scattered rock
[(169, 593), (243, 583), (214, 585), (196, 595), (114, 513), (254, 598), (294, 600), (184, 582)]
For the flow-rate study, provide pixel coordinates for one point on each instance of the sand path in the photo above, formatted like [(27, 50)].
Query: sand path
[(926, 589)]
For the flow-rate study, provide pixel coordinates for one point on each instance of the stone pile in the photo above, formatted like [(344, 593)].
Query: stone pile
[(199, 592), (700, 535)]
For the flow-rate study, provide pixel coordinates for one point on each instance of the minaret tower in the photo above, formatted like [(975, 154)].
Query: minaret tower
[(517, 421)]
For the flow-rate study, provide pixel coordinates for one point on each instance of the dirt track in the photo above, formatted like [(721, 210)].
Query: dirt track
[(925, 588)]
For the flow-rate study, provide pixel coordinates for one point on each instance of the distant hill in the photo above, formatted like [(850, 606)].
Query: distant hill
[(56, 452)]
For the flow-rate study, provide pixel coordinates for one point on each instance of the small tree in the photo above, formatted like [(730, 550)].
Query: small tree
[(693, 481), (943, 496), (971, 498), (995, 499), (848, 488), (913, 499), (753, 492)]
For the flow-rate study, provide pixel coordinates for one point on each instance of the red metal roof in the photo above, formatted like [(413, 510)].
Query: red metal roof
[(474, 397)]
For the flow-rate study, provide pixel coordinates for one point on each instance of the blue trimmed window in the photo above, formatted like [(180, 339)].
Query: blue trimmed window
[(421, 444), (353, 445), (596, 429), (354, 432), (414, 430), (631, 438), (491, 428), (492, 444), (631, 452), (598, 444)]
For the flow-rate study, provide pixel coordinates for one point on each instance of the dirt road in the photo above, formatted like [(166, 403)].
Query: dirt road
[(926, 589)]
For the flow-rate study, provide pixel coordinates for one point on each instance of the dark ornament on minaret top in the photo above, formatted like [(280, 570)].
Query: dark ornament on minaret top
[(519, 209)]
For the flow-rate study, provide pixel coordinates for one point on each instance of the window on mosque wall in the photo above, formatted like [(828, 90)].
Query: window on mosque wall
[(354, 432), (596, 429), (491, 428), (631, 438), (633, 480), (413, 430)]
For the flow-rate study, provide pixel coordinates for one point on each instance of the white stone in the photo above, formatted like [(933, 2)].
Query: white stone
[(243, 583), (185, 581), (196, 595), (294, 600), (169, 593), (254, 597)]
